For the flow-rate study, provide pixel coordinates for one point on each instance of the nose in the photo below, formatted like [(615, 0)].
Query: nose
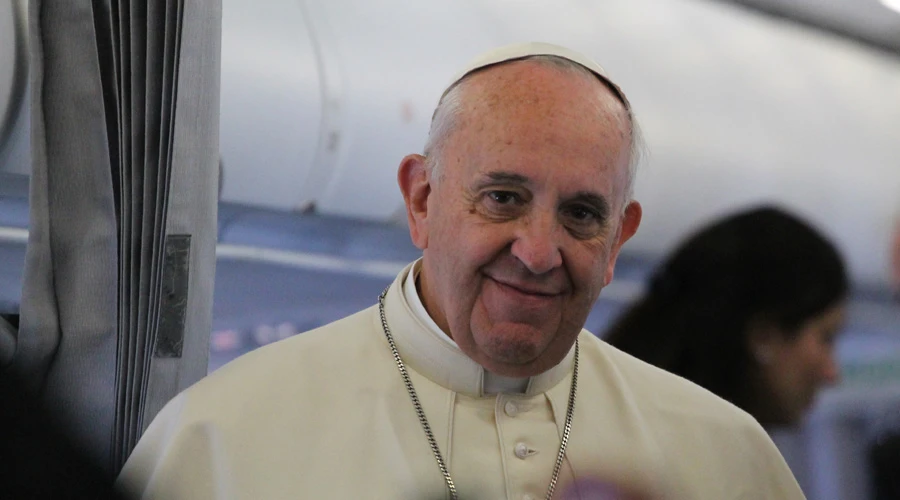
[(537, 243)]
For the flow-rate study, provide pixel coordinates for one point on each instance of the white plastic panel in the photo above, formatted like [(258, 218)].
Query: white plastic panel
[(737, 108), (271, 102), (321, 100), (393, 59)]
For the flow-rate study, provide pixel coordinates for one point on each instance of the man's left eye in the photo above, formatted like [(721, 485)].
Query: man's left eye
[(582, 214)]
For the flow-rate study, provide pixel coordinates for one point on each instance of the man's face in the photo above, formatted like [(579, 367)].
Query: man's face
[(523, 228)]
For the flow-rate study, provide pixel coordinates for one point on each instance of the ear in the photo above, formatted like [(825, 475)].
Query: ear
[(415, 184), (630, 222)]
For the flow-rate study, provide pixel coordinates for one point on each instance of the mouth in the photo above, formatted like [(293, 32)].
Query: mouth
[(524, 289)]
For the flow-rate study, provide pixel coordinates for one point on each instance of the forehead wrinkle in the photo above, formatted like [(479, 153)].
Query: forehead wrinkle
[(503, 102), (523, 93), (514, 85), (495, 177)]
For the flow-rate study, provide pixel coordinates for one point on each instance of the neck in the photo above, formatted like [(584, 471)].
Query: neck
[(759, 401)]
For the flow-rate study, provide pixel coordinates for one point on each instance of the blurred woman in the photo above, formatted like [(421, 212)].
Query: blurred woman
[(747, 307)]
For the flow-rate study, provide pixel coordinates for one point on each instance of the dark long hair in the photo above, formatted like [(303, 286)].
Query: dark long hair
[(760, 265)]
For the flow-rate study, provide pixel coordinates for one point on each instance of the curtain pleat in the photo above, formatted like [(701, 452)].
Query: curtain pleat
[(117, 299), (191, 201), (68, 335)]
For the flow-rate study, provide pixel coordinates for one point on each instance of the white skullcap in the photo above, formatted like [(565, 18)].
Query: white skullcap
[(522, 50)]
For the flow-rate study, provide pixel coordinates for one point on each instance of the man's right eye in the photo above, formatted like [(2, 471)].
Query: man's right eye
[(503, 197)]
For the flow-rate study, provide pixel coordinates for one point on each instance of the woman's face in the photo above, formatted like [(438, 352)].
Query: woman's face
[(795, 367)]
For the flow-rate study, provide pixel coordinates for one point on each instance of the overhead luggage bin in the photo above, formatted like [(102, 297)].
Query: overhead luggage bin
[(271, 103)]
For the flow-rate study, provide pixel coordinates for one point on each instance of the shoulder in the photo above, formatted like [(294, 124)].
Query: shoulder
[(690, 423), (674, 408), (654, 390), (294, 367), (275, 398), (341, 336)]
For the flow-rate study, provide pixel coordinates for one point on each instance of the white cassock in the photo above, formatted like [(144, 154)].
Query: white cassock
[(326, 415)]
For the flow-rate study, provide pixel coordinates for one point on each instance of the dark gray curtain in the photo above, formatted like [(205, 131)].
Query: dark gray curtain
[(117, 299)]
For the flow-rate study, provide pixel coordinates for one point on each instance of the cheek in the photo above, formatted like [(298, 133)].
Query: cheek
[(814, 355), (478, 243), (590, 273), (824, 362), (801, 369), (784, 373)]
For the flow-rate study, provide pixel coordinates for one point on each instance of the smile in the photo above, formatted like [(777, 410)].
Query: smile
[(524, 290)]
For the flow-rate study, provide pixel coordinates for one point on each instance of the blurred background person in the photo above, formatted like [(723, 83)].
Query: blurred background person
[(747, 307)]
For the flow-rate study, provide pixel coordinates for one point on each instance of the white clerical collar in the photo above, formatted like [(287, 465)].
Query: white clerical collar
[(427, 349)]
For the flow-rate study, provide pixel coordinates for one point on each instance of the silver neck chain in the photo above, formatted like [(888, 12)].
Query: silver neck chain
[(570, 410)]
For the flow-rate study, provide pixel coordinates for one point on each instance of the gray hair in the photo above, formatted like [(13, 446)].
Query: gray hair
[(447, 113)]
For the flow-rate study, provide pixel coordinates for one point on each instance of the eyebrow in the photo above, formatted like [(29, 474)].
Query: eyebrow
[(506, 178), (496, 178)]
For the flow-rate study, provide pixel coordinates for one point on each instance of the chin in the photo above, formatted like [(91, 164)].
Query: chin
[(512, 351), (515, 350)]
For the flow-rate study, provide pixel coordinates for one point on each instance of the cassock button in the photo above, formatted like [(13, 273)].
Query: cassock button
[(511, 408), (523, 451)]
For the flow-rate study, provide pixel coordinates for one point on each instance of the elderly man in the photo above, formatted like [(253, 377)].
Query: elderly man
[(472, 377)]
